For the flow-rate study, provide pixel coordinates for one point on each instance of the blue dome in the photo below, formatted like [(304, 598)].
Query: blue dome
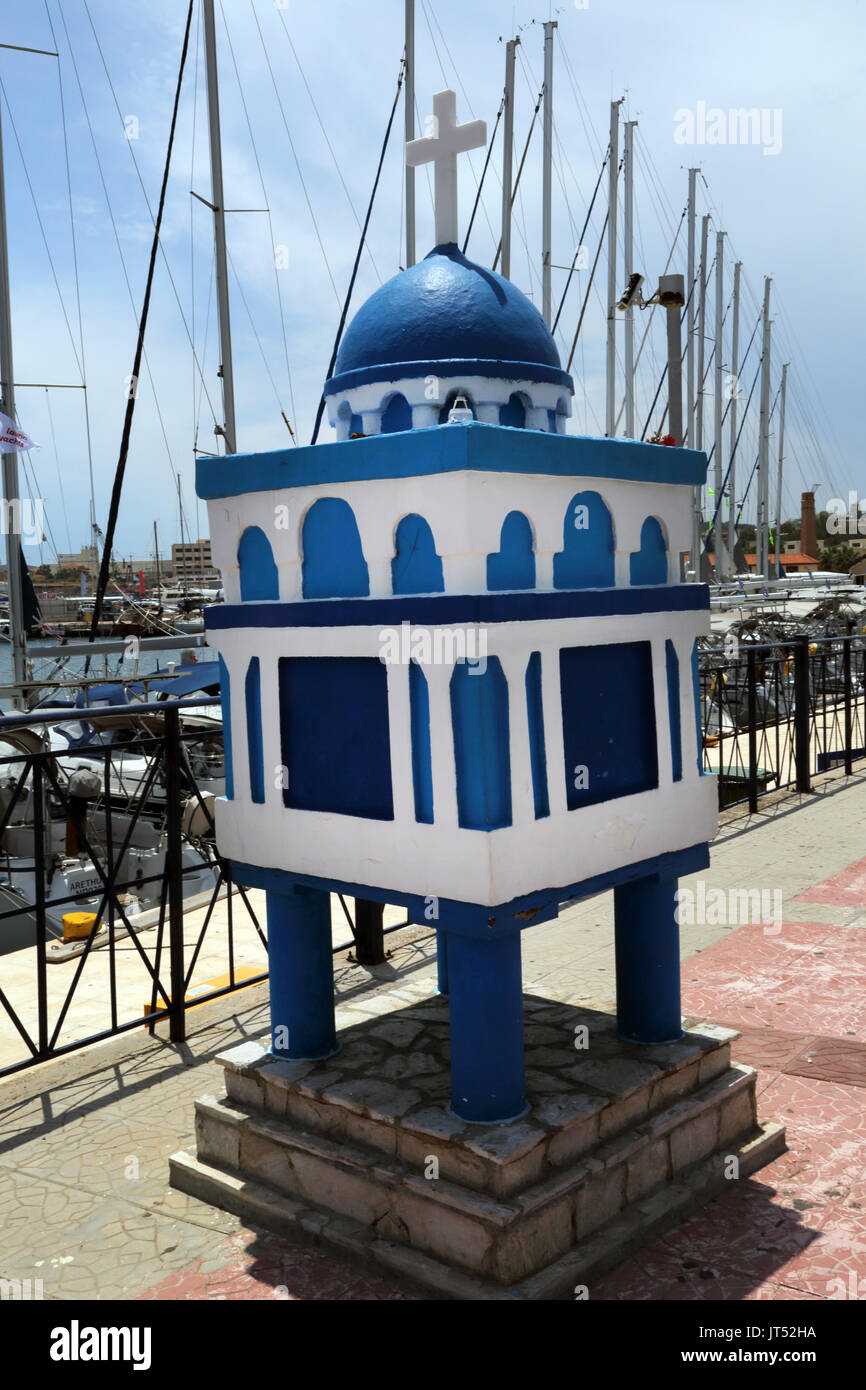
[(447, 315)]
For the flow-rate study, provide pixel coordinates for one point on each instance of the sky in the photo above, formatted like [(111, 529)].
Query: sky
[(305, 94)]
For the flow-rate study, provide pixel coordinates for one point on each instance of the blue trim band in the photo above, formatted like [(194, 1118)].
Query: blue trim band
[(475, 447), (391, 373), (476, 919), (438, 611)]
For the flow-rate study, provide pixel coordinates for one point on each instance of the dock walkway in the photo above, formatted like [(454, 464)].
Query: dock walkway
[(85, 1205)]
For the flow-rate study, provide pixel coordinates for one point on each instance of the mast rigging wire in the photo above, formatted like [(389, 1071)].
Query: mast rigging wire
[(588, 288), (267, 202), (75, 272), (114, 508), (520, 168), (281, 13), (580, 240), (120, 253), (483, 175), (342, 324), (469, 158), (295, 155), (129, 145)]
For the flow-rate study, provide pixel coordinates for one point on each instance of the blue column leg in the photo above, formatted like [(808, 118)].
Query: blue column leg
[(441, 961), (648, 1007), (486, 1011), (301, 973)]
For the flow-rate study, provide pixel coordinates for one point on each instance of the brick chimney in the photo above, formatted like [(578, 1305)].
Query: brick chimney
[(808, 529)]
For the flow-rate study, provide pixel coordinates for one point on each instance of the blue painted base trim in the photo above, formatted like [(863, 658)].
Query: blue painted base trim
[(441, 961), (486, 1010), (478, 919), (301, 966), (452, 609), (648, 1006)]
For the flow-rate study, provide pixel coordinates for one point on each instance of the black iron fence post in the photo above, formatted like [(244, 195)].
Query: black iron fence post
[(802, 714), (174, 874), (39, 865), (369, 937), (752, 706), (849, 732), (720, 679)]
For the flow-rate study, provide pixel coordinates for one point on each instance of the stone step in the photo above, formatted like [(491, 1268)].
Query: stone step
[(502, 1238), (564, 1278), (604, 1093)]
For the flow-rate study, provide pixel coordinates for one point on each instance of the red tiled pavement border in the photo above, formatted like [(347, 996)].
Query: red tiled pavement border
[(260, 1266), (847, 888)]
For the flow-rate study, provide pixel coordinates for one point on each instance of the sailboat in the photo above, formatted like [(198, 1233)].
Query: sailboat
[(97, 800)]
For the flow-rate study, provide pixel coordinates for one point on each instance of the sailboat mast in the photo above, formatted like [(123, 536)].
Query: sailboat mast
[(702, 331), (735, 396), (628, 251), (227, 430), (762, 556), (508, 158), (410, 131), (690, 315), (783, 391), (547, 184), (11, 498), (610, 366), (689, 432), (158, 578), (182, 536), (722, 565)]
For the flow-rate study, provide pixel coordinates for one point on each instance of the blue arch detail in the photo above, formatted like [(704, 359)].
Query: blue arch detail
[(226, 702), (479, 715), (649, 565), (397, 415), (258, 571), (672, 670), (586, 560), (416, 568), (422, 764), (513, 566), (356, 425), (334, 564), (537, 754), (514, 413), (253, 700)]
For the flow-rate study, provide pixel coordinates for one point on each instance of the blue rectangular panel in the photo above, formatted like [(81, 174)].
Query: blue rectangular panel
[(608, 722), (335, 735)]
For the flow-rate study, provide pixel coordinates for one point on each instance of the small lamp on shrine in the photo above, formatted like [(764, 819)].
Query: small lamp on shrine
[(460, 412)]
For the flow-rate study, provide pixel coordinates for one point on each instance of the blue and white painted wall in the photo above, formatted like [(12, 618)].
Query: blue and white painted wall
[(568, 583)]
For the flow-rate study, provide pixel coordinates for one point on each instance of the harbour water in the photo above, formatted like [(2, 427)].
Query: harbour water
[(46, 655)]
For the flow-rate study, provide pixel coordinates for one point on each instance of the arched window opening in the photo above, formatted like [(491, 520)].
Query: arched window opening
[(258, 571), (334, 565), (513, 566), (416, 568), (586, 560)]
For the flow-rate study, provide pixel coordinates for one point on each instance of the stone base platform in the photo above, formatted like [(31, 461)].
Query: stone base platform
[(360, 1152)]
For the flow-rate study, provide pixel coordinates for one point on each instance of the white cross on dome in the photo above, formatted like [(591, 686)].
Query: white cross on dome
[(442, 148)]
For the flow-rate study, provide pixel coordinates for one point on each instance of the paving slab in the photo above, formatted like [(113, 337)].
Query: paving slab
[(85, 1204)]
